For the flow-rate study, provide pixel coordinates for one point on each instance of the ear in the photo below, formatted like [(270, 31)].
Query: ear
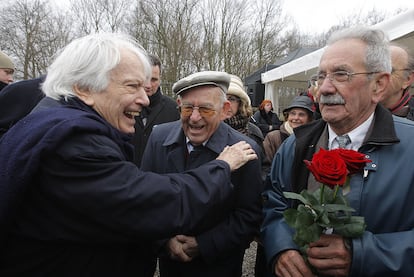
[(408, 81), (85, 95), (381, 83), (225, 109)]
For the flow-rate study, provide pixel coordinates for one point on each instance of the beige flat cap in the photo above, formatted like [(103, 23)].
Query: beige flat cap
[(216, 78)]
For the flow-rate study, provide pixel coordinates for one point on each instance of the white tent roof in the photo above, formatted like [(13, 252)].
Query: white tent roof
[(296, 73)]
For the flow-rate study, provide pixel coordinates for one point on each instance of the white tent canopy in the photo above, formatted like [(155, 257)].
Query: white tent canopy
[(399, 29)]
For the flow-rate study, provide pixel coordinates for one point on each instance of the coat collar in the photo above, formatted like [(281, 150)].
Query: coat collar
[(216, 143), (382, 132)]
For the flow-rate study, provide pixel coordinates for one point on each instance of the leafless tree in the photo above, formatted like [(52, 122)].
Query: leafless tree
[(237, 36), (166, 28), (32, 32), (99, 15)]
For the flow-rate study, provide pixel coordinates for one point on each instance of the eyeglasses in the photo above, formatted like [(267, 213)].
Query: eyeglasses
[(187, 110), (340, 76), (233, 98)]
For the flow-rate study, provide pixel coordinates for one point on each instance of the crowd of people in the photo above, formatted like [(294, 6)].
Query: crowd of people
[(101, 174)]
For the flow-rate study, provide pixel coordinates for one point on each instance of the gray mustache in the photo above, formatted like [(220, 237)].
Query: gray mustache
[(331, 99)]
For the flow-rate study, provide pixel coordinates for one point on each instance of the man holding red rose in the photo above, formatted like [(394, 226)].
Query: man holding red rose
[(354, 72)]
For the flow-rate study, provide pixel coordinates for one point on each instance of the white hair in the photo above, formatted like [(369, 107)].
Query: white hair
[(86, 62)]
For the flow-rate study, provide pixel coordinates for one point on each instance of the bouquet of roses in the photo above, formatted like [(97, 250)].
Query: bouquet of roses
[(326, 210)]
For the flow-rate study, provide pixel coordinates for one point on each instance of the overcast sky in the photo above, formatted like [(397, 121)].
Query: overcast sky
[(319, 15)]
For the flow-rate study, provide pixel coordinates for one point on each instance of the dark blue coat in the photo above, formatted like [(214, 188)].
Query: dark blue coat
[(223, 237), (72, 202), (17, 100)]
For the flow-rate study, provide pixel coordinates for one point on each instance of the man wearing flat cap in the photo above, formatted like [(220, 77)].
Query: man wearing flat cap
[(215, 247), (6, 70)]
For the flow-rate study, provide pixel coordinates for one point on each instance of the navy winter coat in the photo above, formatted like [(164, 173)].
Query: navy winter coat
[(72, 202), (223, 237)]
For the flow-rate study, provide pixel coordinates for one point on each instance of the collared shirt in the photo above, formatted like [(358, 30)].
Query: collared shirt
[(357, 135), (190, 146)]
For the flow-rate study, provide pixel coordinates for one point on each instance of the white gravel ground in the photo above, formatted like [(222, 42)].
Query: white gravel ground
[(248, 263)]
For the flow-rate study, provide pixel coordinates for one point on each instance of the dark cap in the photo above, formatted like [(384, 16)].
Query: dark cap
[(301, 101), (216, 78)]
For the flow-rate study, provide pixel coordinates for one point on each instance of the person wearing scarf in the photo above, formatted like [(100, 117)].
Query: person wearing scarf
[(240, 112)]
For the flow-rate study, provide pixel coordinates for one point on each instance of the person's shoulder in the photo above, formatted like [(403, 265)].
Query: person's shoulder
[(403, 121), (403, 126), (167, 127), (273, 134), (168, 100), (22, 88), (255, 130), (235, 136)]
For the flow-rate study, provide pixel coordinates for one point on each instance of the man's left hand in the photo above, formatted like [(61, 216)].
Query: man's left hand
[(189, 245), (329, 256)]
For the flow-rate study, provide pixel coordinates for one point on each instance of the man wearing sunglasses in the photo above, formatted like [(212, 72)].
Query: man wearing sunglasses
[(216, 247)]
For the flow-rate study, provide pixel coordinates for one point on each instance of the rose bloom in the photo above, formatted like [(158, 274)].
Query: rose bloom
[(328, 167), (354, 160)]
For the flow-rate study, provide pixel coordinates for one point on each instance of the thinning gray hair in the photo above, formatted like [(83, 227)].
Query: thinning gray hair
[(377, 56), (86, 62)]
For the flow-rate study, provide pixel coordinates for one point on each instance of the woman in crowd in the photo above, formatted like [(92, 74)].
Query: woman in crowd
[(299, 112), (265, 118), (238, 116)]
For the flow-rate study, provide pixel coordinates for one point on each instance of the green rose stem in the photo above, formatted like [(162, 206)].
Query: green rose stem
[(335, 192), (322, 193)]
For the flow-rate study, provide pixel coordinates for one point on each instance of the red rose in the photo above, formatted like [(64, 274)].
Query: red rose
[(328, 167), (354, 160)]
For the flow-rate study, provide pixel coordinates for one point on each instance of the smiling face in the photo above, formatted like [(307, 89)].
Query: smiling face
[(357, 98), (124, 97), (198, 128), (297, 117)]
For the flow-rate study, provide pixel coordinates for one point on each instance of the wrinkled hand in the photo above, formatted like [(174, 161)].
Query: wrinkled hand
[(329, 256), (291, 263), (189, 245), (237, 155), (176, 252)]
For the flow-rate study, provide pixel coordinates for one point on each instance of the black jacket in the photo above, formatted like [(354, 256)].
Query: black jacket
[(17, 100), (161, 109), (263, 120)]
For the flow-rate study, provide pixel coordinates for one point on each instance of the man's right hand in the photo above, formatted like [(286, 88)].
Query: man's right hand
[(175, 250), (291, 263), (237, 155)]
